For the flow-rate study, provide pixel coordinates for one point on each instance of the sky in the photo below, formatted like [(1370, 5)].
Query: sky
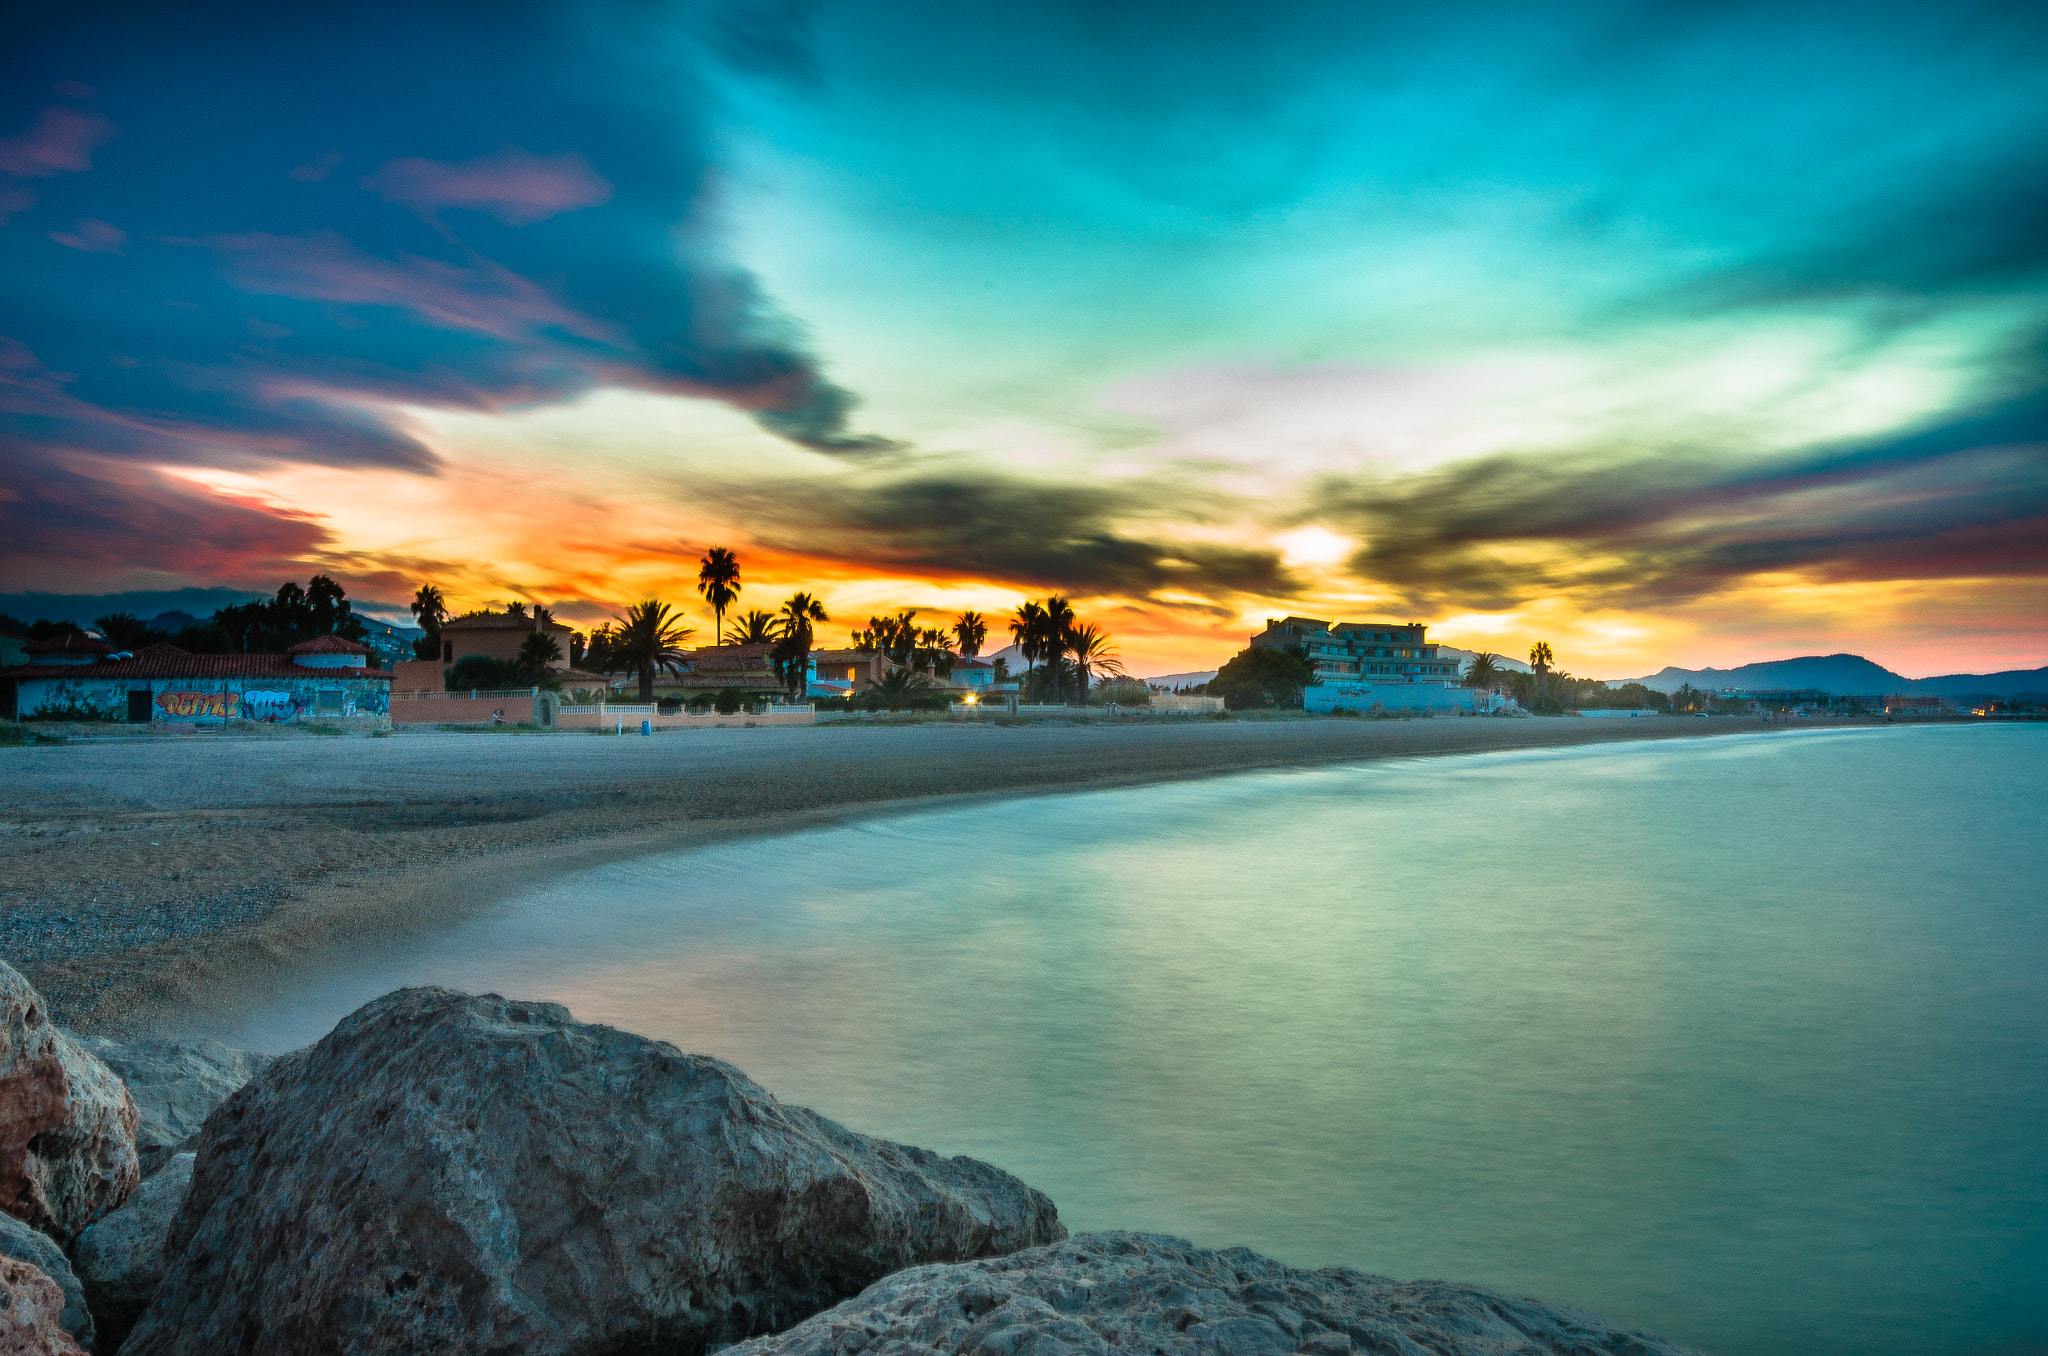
[(1670, 335)]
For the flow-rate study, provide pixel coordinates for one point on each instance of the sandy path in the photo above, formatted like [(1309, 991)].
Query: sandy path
[(144, 876)]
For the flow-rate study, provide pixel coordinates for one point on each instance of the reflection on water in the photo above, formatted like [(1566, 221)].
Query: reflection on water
[(1745, 1040)]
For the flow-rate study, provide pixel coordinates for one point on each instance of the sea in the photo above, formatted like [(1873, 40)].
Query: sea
[(1743, 1040)]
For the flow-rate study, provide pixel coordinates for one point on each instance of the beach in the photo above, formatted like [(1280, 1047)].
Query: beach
[(144, 877)]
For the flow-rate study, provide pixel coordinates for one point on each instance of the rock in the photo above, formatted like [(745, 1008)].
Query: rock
[(468, 1175), (121, 1258), (37, 1249), (67, 1125), (176, 1085), (1099, 1294), (30, 1305)]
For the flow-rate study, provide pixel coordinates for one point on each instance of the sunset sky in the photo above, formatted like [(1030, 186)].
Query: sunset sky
[(1672, 335)]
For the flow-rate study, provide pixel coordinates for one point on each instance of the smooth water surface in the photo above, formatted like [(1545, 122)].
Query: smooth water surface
[(1744, 1039)]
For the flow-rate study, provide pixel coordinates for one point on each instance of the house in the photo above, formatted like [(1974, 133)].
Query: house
[(976, 675), (81, 678), (492, 635), (851, 671), (1376, 652), (746, 669)]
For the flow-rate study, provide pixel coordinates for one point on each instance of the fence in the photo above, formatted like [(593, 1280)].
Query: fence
[(607, 716), (508, 706)]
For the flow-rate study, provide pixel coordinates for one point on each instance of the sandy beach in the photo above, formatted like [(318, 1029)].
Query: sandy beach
[(147, 876)]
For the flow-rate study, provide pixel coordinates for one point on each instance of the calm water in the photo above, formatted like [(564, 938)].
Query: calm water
[(1745, 1040)]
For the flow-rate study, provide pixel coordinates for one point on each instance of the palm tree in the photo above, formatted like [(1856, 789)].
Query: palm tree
[(1484, 670), (970, 631), (718, 579), (1059, 635), (1090, 645), (429, 609), (1540, 659), (537, 654), (1027, 629), (898, 689), (929, 652), (793, 647), (755, 628), (650, 636)]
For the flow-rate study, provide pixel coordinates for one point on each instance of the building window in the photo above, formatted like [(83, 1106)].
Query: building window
[(328, 703)]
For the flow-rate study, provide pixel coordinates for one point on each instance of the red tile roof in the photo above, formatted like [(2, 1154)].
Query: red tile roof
[(328, 644), (730, 657), (499, 621), (168, 661)]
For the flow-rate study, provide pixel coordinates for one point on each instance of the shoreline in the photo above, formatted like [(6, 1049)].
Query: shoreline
[(150, 879)]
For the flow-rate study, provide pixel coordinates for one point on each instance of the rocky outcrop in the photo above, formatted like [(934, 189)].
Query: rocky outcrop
[(467, 1175), (30, 1309), (1099, 1294), (67, 1125), (37, 1249), (176, 1084), (120, 1259)]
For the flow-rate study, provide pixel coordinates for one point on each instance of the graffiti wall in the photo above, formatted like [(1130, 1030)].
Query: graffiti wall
[(198, 705), (276, 701), (272, 706)]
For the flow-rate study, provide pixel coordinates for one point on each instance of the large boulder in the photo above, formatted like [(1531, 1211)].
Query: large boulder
[(36, 1248), (468, 1175), (120, 1259), (30, 1309), (1113, 1293), (176, 1084), (67, 1125)]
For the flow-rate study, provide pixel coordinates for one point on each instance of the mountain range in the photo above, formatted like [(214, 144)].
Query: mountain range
[(1849, 675)]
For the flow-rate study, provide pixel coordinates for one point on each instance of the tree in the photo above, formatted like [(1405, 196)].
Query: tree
[(481, 673), (1258, 677), (1484, 670), (1540, 659), (293, 615), (970, 631), (896, 638), (901, 689), (1092, 650), (755, 628), (718, 579), (792, 652), (650, 636), (930, 654), (125, 632), (429, 609), (537, 654), (1028, 630), (1059, 632)]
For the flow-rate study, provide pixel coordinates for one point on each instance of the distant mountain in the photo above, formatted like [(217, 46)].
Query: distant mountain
[(2010, 683), (1847, 675), (1844, 675), (1464, 657), (1176, 681)]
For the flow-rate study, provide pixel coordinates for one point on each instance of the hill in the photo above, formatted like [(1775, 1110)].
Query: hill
[(1847, 675)]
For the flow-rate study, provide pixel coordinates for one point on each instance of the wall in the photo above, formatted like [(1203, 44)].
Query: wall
[(610, 717), (210, 701), (1324, 698)]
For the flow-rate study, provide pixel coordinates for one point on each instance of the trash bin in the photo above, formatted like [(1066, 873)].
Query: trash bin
[(647, 727)]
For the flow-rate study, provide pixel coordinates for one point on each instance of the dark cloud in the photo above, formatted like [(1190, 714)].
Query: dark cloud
[(74, 517), (1968, 499), (529, 223), (960, 523)]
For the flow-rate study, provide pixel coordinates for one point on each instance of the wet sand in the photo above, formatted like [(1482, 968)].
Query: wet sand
[(145, 877)]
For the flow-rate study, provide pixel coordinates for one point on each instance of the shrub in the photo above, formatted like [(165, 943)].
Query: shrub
[(1259, 677), (482, 674)]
